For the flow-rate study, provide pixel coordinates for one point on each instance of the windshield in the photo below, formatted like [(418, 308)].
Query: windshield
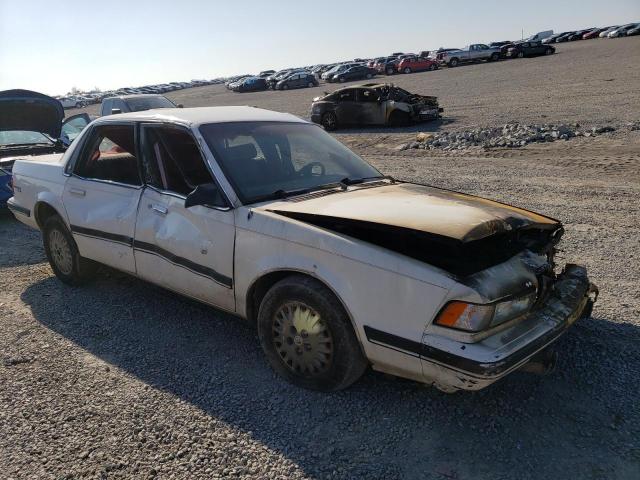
[(20, 137), (148, 103), (266, 160)]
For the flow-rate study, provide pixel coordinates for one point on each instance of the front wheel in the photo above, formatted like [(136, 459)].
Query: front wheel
[(407, 70), (329, 121), (307, 336), (432, 67), (369, 76), (285, 87), (62, 253), (341, 79), (520, 54), (389, 71), (453, 62)]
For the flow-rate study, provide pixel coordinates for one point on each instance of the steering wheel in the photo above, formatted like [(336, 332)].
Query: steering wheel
[(307, 170)]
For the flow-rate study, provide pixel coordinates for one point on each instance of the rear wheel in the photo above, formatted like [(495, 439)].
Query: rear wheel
[(307, 336), (62, 253), (329, 121), (368, 76), (285, 87), (407, 70)]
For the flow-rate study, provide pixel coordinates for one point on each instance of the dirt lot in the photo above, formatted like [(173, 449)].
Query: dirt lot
[(121, 379)]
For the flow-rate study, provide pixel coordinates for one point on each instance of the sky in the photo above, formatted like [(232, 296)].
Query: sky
[(53, 46)]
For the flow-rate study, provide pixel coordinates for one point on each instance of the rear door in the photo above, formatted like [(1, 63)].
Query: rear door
[(370, 110), (188, 250), (102, 193)]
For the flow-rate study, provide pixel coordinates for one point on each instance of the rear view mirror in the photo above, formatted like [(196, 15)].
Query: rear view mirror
[(205, 194), (115, 111)]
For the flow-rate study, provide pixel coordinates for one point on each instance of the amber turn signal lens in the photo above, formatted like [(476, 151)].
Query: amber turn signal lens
[(451, 314)]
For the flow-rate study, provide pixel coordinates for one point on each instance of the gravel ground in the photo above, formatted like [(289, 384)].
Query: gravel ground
[(120, 379)]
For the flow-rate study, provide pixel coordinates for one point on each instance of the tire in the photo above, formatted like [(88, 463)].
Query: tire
[(329, 359), (389, 71), (310, 84), (329, 121), (407, 70), (398, 119), (453, 62), (78, 105), (285, 87), (494, 57), (432, 67), (520, 54), (62, 253)]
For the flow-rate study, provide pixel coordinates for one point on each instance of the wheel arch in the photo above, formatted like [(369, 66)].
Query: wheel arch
[(43, 210), (261, 285)]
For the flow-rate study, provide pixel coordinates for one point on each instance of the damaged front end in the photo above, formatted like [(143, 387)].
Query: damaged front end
[(419, 107), (507, 301)]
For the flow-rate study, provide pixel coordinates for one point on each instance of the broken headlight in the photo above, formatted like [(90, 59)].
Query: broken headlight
[(473, 317)]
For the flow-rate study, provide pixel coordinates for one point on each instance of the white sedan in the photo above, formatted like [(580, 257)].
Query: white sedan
[(269, 217)]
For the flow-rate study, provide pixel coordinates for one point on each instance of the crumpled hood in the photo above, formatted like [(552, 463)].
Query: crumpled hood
[(421, 208), (30, 111)]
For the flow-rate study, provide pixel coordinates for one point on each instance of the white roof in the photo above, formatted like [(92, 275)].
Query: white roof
[(202, 115)]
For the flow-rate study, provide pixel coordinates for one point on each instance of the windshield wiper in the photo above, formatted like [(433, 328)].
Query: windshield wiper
[(355, 181), (300, 191)]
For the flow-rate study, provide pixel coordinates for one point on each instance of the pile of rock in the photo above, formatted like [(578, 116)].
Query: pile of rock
[(511, 135)]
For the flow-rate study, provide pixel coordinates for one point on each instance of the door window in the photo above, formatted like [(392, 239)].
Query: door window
[(367, 96), (172, 161), (347, 95), (110, 154)]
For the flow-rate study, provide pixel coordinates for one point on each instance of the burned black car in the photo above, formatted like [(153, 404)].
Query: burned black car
[(373, 104)]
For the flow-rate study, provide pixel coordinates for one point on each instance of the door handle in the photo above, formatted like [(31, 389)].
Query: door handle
[(77, 192), (159, 209)]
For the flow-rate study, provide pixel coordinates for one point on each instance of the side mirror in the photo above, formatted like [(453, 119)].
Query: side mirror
[(115, 111), (180, 105), (205, 194)]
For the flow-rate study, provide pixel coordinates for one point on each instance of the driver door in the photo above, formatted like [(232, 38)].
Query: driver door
[(371, 111), (187, 250), (347, 109)]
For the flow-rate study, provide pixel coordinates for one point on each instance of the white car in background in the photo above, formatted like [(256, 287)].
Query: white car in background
[(269, 217), (71, 102), (622, 31)]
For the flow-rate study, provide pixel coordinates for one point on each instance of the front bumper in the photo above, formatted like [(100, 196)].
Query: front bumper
[(453, 365)]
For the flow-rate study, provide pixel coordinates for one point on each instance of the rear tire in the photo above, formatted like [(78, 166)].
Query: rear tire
[(62, 253), (310, 84), (307, 336), (407, 70)]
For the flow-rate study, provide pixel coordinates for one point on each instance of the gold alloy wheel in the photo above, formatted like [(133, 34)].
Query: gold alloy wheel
[(60, 251), (302, 339)]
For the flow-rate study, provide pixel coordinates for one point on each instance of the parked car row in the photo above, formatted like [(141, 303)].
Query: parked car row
[(613, 31)]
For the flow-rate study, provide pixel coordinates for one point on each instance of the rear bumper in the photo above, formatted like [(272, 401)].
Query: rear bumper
[(474, 366), (17, 209)]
